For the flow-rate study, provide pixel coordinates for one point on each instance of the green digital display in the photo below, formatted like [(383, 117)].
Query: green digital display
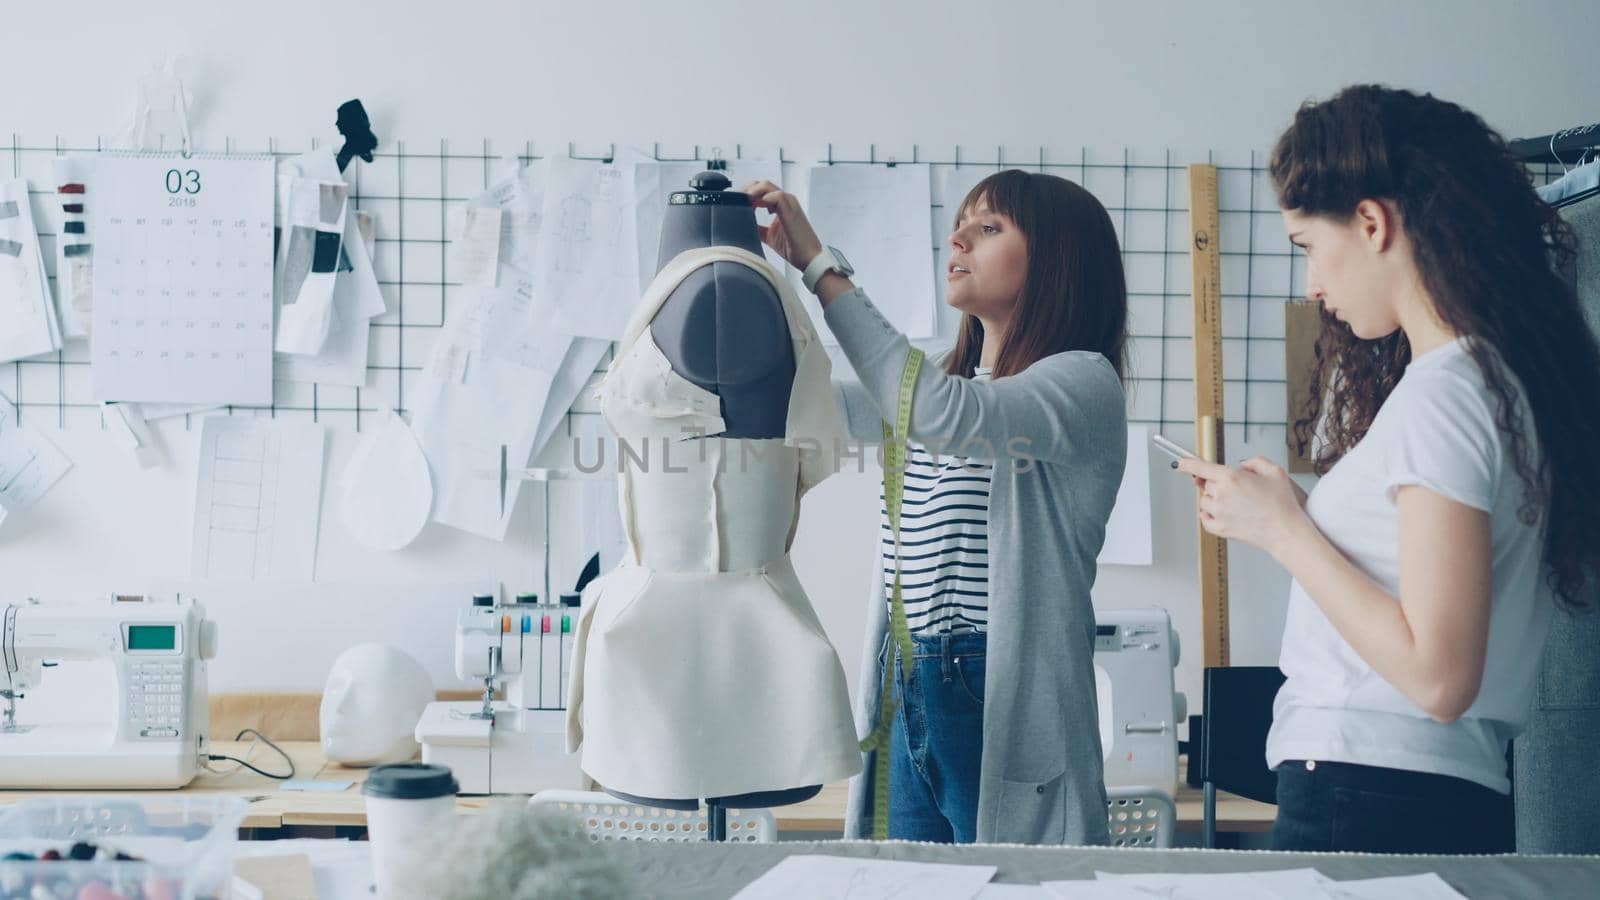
[(152, 637)]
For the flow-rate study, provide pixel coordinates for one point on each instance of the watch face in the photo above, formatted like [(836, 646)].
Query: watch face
[(844, 268)]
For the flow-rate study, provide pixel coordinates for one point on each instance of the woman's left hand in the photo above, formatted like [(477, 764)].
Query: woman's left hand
[(1256, 503), (789, 233)]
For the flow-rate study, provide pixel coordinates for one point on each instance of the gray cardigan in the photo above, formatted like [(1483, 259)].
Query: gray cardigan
[(1042, 779)]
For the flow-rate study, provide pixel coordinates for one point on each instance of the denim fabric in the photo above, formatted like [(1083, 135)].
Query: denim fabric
[(1365, 809), (936, 745)]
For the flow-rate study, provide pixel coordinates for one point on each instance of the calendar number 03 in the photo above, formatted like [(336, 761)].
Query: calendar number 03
[(183, 182)]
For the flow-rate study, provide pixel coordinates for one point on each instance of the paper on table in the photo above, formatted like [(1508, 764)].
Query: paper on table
[(313, 784), (587, 262), (866, 879), (74, 263), (312, 230), (878, 218), (356, 300), (1266, 885), (257, 498), (386, 493), (1128, 532), (1090, 890), (29, 463), (28, 324), (1032, 892), (475, 233), (1427, 886)]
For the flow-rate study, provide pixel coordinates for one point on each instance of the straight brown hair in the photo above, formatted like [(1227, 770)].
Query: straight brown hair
[(1074, 296)]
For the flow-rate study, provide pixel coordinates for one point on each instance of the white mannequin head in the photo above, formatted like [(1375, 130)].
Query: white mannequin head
[(370, 705)]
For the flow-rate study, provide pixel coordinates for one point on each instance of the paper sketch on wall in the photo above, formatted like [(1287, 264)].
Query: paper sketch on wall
[(28, 325), (29, 464), (587, 262), (258, 496)]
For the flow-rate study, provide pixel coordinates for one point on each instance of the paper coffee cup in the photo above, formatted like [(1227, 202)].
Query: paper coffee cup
[(409, 809)]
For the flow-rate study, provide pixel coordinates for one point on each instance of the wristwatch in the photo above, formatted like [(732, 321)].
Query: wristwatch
[(829, 260)]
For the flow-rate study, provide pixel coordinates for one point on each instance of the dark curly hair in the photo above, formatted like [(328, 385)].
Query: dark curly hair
[(1487, 250)]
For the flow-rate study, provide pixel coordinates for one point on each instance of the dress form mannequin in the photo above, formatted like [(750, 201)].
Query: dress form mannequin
[(723, 328)]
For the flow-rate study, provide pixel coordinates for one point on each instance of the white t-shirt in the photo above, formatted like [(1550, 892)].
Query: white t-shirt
[(1437, 430)]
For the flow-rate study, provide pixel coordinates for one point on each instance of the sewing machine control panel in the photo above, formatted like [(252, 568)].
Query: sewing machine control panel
[(157, 693), (1128, 636)]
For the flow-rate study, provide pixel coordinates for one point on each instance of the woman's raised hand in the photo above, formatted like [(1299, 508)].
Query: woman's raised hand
[(789, 233)]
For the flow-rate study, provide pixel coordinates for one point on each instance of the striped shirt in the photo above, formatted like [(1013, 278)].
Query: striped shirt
[(944, 541)]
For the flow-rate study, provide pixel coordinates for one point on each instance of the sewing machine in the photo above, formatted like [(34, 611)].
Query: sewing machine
[(516, 745), (1135, 651), (156, 650)]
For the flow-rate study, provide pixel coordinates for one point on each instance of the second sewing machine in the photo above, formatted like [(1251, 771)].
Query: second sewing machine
[(516, 745)]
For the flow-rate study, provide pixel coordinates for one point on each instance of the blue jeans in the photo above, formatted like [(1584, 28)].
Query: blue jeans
[(936, 744), (1367, 809)]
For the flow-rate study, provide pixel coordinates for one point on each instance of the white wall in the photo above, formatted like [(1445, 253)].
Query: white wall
[(1221, 76)]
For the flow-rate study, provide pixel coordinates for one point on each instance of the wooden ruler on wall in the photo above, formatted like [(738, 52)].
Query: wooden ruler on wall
[(1206, 264)]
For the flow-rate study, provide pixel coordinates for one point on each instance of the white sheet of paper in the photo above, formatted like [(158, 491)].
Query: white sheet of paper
[(311, 211), (258, 496), (587, 262), (1428, 886), (385, 492), (356, 300), (807, 876), (1265, 885), (474, 255), (27, 313), (487, 389), (521, 200), (154, 411), (1128, 533), (583, 357), (29, 463), (74, 263), (1093, 890), (182, 311), (877, 217), (128, 422), (1029, 892)]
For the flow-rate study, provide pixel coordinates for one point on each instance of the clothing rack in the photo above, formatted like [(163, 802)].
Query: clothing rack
[(1557, 146)]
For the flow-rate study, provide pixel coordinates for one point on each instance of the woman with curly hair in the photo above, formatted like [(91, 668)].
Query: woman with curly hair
[(1454, 427)]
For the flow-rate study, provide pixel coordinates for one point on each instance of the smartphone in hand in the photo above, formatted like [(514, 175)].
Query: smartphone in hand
[(1176, 451)]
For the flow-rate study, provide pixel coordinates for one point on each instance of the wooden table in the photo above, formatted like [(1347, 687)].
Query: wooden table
[(273, 807)]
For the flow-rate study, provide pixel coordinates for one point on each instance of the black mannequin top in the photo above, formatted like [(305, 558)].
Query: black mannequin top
[(723, 329)]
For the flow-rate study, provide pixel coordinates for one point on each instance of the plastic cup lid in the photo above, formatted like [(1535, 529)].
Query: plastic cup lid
[(410, 781)]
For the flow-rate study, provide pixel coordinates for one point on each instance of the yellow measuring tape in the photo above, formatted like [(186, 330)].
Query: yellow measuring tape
[(894, 483)]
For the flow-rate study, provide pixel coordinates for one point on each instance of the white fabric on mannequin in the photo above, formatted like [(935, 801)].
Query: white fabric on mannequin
[(700, 668)]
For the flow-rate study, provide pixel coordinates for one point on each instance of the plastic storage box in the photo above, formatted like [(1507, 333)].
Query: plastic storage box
[(184, 846)]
